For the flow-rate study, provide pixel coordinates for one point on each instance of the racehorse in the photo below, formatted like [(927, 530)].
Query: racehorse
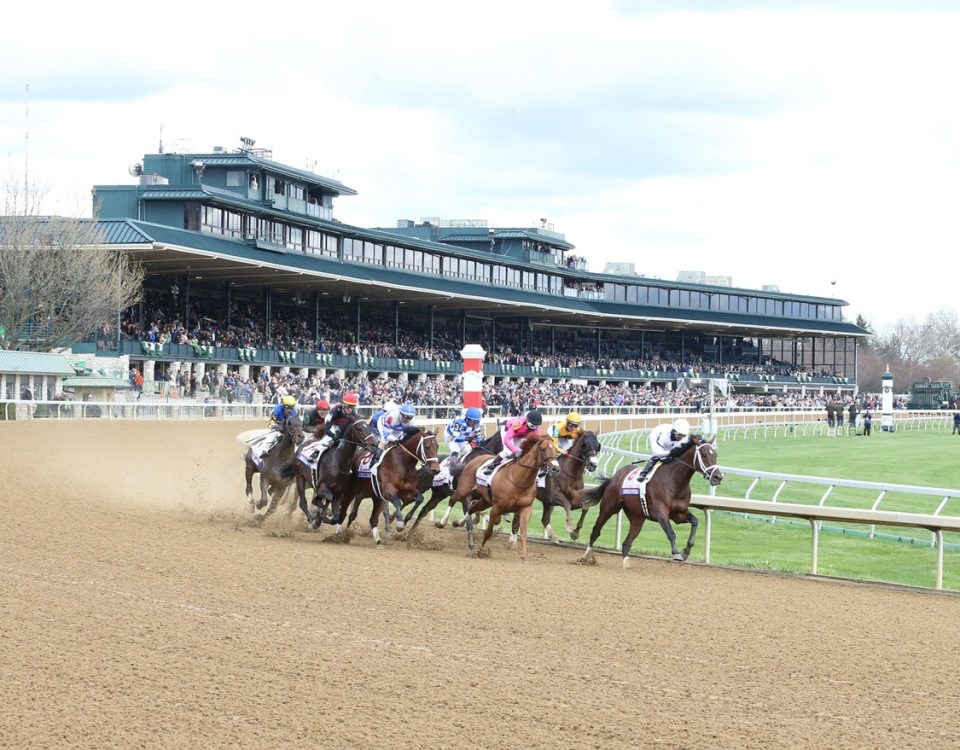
[(512, 489), (332, 475), (396, 477), (565, 488), (275, 470), (488, 448), (666, 498)]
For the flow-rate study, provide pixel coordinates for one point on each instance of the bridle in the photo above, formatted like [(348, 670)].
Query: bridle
[(420, 455), (699, 465), (536, 466)]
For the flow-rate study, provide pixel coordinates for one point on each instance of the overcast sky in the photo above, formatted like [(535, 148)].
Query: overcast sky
[(787, 143)]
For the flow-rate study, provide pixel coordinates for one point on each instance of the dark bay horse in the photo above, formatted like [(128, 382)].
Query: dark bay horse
[(332, 475), (275, 472), (396, 480), (565, 488), (488, 449), (512, 489), (667, 496)]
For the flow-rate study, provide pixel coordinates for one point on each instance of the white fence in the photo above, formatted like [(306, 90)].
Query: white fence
[(815, 514)]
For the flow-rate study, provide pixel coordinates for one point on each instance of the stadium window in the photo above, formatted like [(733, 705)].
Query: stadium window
[(298, 192), (236, 178), (542, 284), (233, 223), (314, 242), (211, 220), (683, 298), (294, 238)]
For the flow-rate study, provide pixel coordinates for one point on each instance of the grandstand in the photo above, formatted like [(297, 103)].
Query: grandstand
[(249, 270)]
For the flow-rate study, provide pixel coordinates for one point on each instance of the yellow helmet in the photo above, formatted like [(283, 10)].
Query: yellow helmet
[(290, 401), (574, 418)]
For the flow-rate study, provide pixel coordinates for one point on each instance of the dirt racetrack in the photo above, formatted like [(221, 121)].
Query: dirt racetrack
[(140, 608)]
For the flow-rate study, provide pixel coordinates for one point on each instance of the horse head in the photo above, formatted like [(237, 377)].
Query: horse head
[(705, 459), (589, 450), (293, 429), (358, 433), (546, 452), (422, 446)]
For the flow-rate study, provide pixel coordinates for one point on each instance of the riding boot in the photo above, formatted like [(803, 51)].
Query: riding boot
[(646, 469), (497, 460)]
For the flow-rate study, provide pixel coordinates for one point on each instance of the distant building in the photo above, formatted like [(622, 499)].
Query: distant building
[(620, 269), (771, 288), (699, 277)]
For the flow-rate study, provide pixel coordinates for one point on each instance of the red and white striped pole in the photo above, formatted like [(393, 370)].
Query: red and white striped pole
[(473, 356)]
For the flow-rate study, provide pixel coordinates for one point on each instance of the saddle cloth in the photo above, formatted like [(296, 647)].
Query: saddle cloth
[(484, 477), (309, 454), (365, 467), (444, 476), (631, 486), (260, 447)]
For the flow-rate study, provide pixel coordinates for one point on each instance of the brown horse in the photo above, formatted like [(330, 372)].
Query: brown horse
[(512, 490), (666, 498), (565, 488), (331, 477), (396, 478), (488, 448), (275, 470)]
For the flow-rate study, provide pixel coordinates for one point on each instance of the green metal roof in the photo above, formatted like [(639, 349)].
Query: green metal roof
[(250, 160), (34, 363)]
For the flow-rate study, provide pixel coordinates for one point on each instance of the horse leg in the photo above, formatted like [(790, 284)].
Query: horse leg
[(575, 534), (636, 523), (378, 508), (514, 528), (664, 520), (428, 506), (264, 491), (416, 504), (249, 470), (524, 514), (302, 502), (398, 515), (545, 520), (694, 522), (607, 508), (488, 532)]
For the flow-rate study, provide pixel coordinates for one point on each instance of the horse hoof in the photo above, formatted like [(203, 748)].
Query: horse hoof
[(626, 563), (685, 554), (678, 556), (400, 524), (574, 536), (438, 524)]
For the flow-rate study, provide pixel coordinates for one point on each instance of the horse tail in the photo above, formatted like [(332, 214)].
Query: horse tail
[(592, 496)]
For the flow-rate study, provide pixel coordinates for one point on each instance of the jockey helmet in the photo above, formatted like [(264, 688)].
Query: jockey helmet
[(681, 427), (323, 405), (289, 401), (350, 399), (473, 413), (574, 419), (408, 411), (534, 418)]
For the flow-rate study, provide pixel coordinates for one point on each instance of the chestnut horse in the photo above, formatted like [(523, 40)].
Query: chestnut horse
[(512, 490), (275, 469), (396, 477), (666, 498), (488, 448), (331, 477)]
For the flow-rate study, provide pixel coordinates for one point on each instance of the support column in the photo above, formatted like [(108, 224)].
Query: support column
[(473, 356), (396, 323)]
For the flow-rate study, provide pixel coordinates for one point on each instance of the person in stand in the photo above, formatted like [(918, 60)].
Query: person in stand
[(666, 441), (867, 422), (391, 425), (338, 419), (956, 423), (852, 427), (564, 433), (463, 433), (513, 433), (831, 418)]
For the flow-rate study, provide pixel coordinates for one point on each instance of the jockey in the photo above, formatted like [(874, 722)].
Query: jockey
[(462, 432), (321, 411), (388, 406), (513, 432), (390, 424), (564, 433), (286, 407), (339, 417), (666, 441)]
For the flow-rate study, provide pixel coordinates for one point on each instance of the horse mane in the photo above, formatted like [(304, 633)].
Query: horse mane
[(529, 442), (410, 430)]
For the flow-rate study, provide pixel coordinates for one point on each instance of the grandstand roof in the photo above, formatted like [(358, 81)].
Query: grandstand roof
[(34, 363), (249, 264)]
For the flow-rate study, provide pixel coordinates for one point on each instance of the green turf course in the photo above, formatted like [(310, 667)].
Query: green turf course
[(922, 457)]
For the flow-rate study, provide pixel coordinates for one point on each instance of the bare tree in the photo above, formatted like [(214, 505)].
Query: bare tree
[(59, 280)]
